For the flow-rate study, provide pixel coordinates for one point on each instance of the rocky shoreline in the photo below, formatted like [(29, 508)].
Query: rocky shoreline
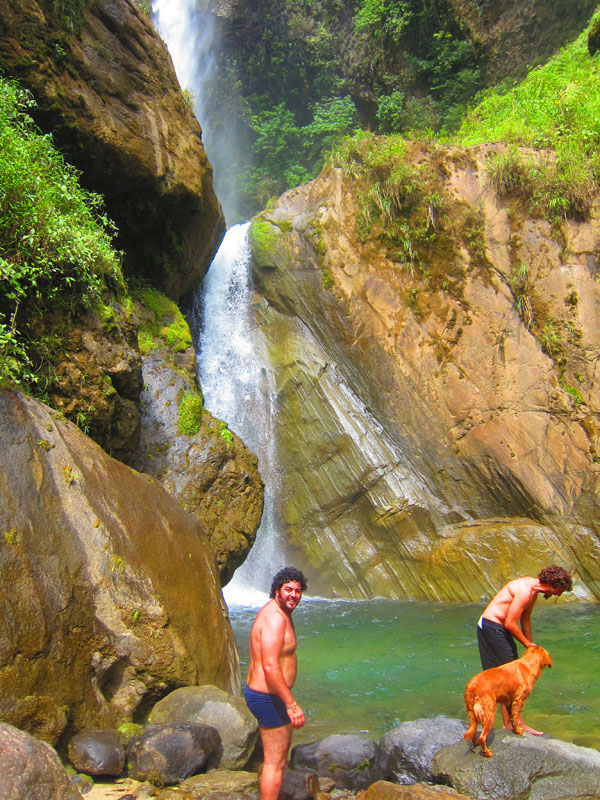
[(201, 743)]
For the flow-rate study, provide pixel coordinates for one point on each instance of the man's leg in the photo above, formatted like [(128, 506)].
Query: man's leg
[(276, 743)]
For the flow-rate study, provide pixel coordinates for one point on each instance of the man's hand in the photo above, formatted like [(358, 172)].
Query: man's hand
[(296, 715)]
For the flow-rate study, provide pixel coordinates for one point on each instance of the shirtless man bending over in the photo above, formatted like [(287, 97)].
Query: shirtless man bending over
[(511, 607), (271, 677)]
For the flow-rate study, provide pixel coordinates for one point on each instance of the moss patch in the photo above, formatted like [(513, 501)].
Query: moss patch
[(162, 322), (190, 414)]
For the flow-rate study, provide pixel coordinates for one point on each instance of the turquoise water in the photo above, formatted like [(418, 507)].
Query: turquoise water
[(365, 667)]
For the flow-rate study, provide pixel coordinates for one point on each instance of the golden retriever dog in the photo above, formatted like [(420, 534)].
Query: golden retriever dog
[(510, 684)]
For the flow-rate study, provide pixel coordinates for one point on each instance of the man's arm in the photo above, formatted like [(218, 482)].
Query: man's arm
[(272, 635), (520, 611)]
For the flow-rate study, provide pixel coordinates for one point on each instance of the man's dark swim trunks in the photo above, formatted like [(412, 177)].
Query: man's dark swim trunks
[(269, 709), (496, 644)]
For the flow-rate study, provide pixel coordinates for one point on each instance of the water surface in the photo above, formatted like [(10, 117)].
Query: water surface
[(365, 667)]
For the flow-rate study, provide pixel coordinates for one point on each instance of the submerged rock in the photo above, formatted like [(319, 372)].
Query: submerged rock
[(209, 705), (109, 596), (31, 769), (528, 767)]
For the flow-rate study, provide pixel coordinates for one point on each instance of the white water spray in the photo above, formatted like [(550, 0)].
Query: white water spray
[(238, 387), (190, 33)]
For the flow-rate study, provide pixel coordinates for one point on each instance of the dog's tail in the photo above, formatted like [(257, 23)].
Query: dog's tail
[(474, 713)]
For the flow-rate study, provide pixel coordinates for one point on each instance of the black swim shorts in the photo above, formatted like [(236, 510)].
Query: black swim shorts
[(269, 709), (496, 644)]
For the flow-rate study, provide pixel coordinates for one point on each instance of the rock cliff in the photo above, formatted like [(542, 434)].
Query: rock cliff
[(107, 90), (438, 410), (194, 455), (109, 596)]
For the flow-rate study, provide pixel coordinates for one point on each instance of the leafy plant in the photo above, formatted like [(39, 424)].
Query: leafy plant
[(56, 248), (225, 433)]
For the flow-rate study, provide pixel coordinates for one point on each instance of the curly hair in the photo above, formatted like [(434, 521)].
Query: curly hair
[(557, 577), (286, 575)]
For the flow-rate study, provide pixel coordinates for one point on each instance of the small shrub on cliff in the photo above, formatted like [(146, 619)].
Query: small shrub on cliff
[(56, 250)]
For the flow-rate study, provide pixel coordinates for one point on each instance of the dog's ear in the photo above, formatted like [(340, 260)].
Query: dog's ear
[(547, 662)]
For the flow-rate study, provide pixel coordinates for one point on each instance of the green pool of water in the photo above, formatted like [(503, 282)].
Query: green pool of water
[(365, 667)]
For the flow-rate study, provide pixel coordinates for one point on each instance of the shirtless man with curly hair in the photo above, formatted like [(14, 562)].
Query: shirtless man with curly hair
[(509, 615), (272, 674)]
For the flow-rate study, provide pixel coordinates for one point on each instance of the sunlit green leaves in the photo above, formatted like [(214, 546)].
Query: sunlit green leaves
[(55, 241)]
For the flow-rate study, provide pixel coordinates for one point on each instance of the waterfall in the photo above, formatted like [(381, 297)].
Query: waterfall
[(237, 383), (238, 387), (190, 33)]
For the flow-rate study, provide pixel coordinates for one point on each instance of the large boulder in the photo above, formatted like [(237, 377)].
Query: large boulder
[(30, 769), (406, 752), (349, 760), (433, 439), (209, 705), (109, 596), (528, 767), (107, 89), (167, 754)]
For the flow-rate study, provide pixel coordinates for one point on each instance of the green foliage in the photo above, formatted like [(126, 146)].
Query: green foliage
[(573, 391), (287, 154), (390, 112), (190, 414), (56, 250), (164, 321), (392, 188), (225, 434), (554, 187), (557, 107), (303, 74)]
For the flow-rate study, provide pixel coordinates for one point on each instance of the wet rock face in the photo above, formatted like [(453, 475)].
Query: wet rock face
[(107, 90), (109, 595), (433, 442), (31, 768), (210, 471)]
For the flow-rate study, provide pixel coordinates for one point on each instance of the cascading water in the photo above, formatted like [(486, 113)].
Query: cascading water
[(235, 378), (190, 33), (238, 388)]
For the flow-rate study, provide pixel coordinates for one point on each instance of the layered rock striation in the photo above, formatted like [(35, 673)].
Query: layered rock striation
[(437, 388)]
